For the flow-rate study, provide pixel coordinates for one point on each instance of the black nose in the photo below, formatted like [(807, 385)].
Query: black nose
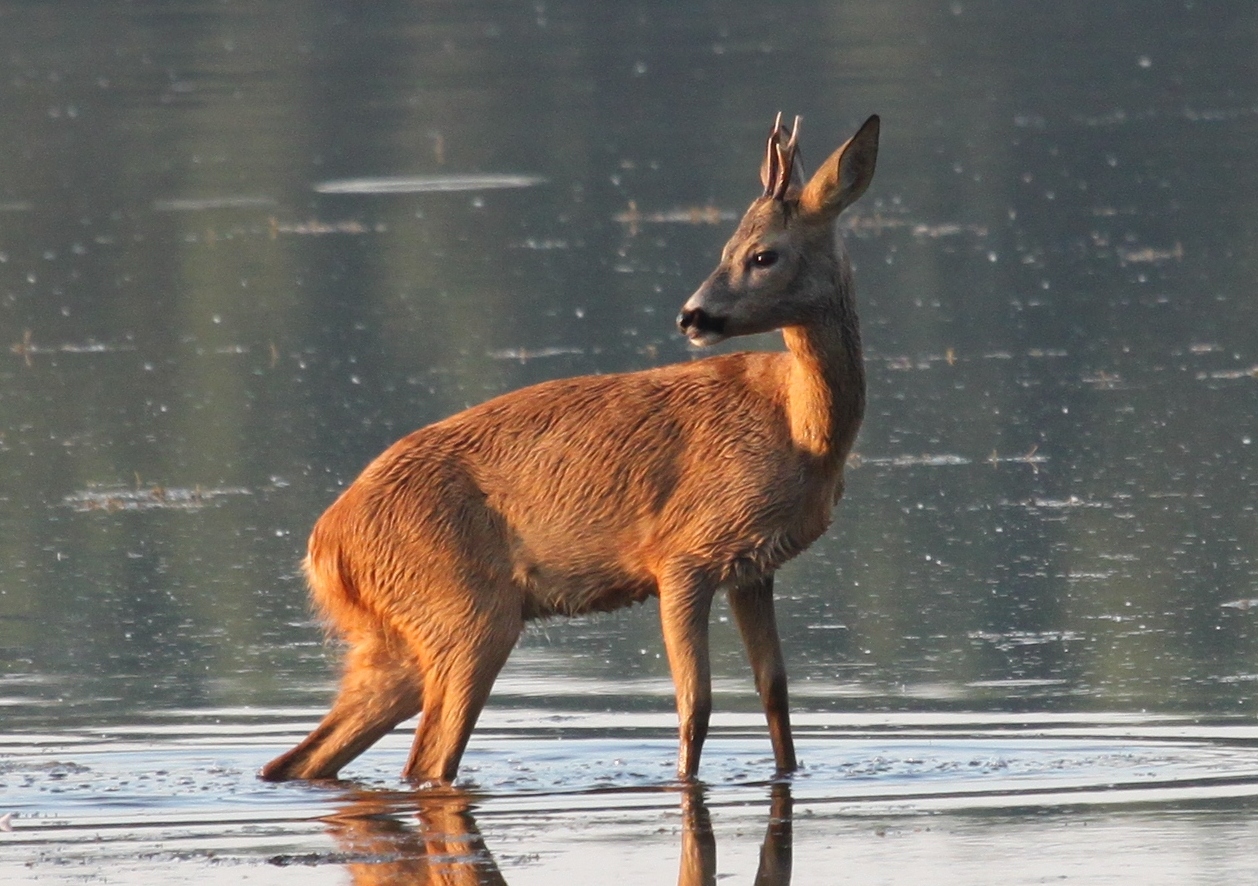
[(698, 320), (690, 318)]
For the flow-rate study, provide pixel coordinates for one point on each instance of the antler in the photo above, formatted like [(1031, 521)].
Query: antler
[(780, 169)]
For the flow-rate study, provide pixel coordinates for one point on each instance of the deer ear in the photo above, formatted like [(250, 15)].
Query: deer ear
[(843, 177)]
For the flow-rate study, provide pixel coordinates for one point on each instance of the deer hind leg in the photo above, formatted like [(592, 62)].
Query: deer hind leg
[(753, 612), (459, 674), (381, 687)]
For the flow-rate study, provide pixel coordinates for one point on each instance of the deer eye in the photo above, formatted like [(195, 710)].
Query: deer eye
[(764, 259)]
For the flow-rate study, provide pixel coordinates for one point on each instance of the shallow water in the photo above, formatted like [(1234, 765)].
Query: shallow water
[(244, 247), (890, 798)]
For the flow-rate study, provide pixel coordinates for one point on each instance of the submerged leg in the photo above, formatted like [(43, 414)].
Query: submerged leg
[(457, 685), (698, 842), (753, 612), (776, 851), (443, 848), (382, 687)]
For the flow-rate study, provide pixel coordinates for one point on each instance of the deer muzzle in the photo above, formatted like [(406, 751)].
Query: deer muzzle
[(699, 326)]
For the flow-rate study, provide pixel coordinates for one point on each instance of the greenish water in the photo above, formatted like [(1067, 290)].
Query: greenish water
[(243, 247)]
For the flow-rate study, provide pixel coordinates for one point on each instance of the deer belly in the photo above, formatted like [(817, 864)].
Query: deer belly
[(575, 592)]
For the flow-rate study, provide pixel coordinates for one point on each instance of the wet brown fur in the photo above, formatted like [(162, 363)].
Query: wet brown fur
[(592, 493)]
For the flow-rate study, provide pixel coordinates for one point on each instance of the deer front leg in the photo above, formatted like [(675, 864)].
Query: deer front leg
[(684, 608), (753, 612)]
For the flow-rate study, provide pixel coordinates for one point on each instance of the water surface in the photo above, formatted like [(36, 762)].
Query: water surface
[(243, 248)]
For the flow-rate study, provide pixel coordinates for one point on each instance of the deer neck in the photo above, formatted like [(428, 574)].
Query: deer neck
[(826, 386)]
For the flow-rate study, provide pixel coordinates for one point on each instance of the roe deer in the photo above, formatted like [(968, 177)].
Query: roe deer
[(592, 493)]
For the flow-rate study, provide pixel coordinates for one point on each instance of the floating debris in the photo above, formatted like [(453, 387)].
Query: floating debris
[(911, 461), (689, 215), (934, 232), (872, 223), (1112, 211), (1229, 374), (316, 228), (1075, 575), (1028, 458), (904, 362), (1249, 603), (1018, 683), (1011, 639), (531, 243), (27, 349), (942, 460), (525, 354), (91, 348), (1105, 381), (122, 498), (426, 184), (1064, 503), (200, 204), (1149, 255), (876, 223)]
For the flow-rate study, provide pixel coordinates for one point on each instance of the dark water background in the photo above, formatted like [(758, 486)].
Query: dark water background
[(1044, 568)]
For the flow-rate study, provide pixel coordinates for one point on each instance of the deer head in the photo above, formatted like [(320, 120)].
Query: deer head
[(782, 266)]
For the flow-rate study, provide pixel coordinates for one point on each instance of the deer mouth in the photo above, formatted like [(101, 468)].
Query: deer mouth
[(701, 327)]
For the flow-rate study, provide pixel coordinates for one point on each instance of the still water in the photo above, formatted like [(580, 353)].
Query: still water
[(243, 247)]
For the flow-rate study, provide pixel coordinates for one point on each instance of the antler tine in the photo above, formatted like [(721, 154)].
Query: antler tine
[(795, 167), (781, 169), (772, 162), (785, 160)]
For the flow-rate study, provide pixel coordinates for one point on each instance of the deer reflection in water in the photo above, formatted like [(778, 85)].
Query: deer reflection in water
[(447, 847)]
